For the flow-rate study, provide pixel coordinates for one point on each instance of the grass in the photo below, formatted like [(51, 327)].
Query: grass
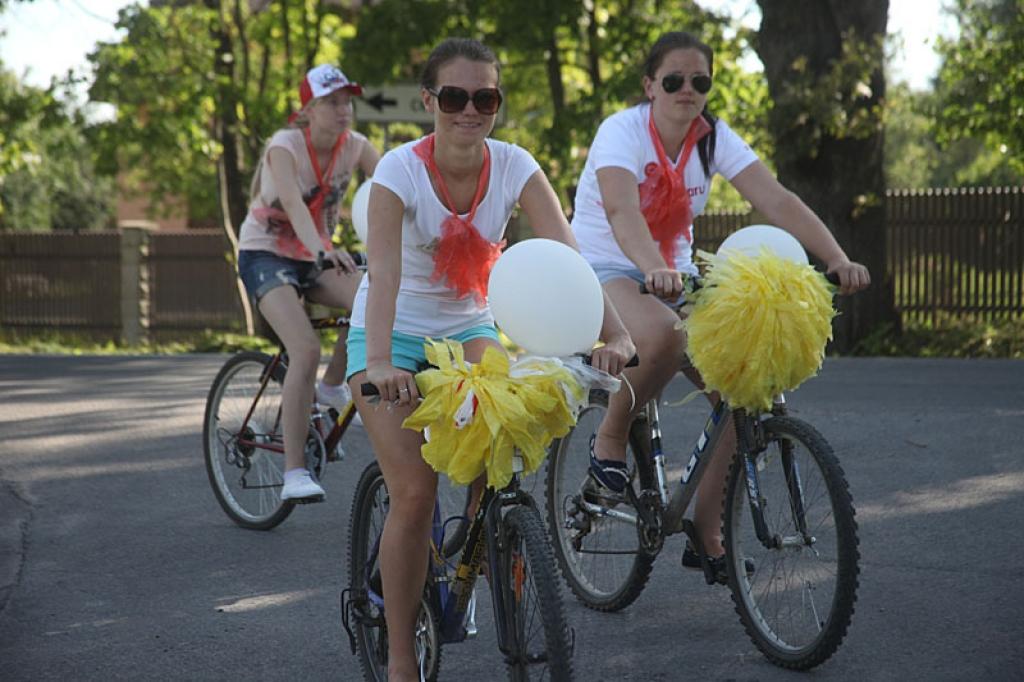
[(949, 337)]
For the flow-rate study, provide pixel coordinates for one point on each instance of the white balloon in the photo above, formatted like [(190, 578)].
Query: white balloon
[(749, 240), (546, 298), (360, 210)]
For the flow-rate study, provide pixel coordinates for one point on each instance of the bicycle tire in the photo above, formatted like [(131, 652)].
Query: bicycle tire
[(603, 582), (228, 467), (369, 510), (807, 572), (537, 650)]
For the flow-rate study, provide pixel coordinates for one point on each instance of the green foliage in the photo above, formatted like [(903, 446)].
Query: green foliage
[(189, 78), (47, 177), (78, 344), (160, 79), (951, 337), (565, 64), (914, 158), (837, 102), (981, 82)]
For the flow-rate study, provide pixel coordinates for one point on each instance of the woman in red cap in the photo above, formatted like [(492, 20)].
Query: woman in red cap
[(296, 191)]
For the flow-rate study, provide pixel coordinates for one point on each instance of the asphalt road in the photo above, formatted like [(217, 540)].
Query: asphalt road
[(117, 563)]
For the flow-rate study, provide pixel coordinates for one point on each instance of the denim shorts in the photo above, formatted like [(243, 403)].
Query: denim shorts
[(262, 271), (406, 349)]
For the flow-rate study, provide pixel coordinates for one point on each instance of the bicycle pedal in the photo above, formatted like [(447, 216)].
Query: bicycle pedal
[(312, 499)]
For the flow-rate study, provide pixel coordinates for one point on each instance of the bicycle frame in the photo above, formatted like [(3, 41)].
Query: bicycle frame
[(452, 587), (673, 506), (342, 422)]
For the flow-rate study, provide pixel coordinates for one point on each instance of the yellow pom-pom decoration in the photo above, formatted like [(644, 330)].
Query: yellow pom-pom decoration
[(478, 414), (759, 326)]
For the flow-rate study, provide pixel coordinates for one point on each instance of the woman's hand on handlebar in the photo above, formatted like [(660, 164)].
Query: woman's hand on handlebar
[(852, 276), (613, 355), (395, 385), (341, 260), (664, 283)]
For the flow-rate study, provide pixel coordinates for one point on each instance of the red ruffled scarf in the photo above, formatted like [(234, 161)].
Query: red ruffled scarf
[(664, 199), (463, 258)]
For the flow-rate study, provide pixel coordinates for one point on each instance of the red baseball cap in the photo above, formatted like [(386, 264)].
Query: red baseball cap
[(323, 80)]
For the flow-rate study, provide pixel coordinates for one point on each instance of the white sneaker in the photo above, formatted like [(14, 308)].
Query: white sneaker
[(300, 487), (334, 396), (337, 397)]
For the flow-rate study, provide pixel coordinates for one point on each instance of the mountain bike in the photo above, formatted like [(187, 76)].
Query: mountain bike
[(788, 524), (243, 441), (506, 539)]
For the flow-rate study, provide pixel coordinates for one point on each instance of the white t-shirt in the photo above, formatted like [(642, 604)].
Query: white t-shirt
[(423, 307), (624, 141)]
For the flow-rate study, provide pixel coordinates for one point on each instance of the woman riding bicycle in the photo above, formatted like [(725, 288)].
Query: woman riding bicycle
[(303, 172), (648, 173), (438, 211)]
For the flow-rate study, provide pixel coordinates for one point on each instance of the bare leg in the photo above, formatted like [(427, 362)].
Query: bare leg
[(336, 289), (284, 311), (412, 487), (660, 347), (707, 514)]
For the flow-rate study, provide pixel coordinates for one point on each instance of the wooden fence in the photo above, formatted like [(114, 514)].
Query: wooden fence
[(957, 252), (954, 252)]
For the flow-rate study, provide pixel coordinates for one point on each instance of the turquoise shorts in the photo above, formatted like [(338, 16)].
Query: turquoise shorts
[(407, 349)]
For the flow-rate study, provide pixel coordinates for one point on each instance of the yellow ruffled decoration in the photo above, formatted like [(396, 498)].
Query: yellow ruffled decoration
[(478, 414), (758, 326)]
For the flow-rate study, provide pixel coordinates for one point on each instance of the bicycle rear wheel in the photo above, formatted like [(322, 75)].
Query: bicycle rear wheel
[(246, 479), (539, 645), (600, 556), (797, 604), (366, 609)]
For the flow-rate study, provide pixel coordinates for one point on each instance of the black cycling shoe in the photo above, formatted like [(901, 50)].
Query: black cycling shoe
[(691, 560), (610, 473)]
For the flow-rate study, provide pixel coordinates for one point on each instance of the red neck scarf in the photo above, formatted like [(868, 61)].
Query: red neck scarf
[(463, 257), (664, 199), (323, 179)]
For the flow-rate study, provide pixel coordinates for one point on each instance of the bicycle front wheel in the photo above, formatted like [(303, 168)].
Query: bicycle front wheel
[(538, 643), (370, 506), (599, 554), (797, 603), (246, 478)]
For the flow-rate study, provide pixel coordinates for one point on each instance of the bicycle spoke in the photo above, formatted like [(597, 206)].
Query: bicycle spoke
[(798, 602), (243, 416)]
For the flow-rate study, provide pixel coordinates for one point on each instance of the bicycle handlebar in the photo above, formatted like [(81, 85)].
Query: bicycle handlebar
[(369, 390), (696, 282), (358, 256)]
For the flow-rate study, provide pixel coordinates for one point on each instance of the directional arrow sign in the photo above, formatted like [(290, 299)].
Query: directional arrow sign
[(397, 103), (392, 103)]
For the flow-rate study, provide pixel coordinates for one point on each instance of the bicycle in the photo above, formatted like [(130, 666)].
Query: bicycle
[(242, 438), (507, 536), (787, 509)]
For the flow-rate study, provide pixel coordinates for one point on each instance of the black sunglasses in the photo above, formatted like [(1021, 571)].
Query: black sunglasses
[(452, 100), (674, 81)]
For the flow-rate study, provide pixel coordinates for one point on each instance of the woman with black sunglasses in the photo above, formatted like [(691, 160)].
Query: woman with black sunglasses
[(648, 173), (438, 210)]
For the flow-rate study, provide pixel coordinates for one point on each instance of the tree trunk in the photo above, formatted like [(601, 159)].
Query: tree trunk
[(840, 176), (231, 192), (594, 55)]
